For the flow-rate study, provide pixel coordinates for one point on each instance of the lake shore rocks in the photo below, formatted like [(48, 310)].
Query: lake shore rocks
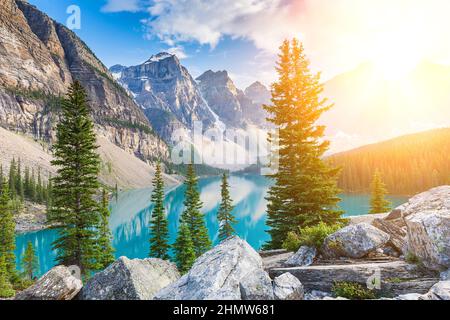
[(440, 291), (219, 273), (303, 257), (127, 279), (396, 277), (56, 284), (287, 287), (354, 241)]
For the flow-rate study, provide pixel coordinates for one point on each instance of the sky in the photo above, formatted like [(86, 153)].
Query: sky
[(243, 36)]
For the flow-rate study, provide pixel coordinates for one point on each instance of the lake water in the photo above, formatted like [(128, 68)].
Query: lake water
[(130, 215)]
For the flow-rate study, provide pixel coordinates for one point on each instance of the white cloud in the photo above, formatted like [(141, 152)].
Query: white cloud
[(178, 51), (122, 5), (338, 34)]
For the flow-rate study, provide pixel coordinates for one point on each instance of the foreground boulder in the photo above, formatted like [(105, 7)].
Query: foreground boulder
[(354, 241), (396, 277), (429, 237), (431, 200), (257, 287), (440, 291), (127, 279), (287, 287), (303, 257), (220, 274), (56, 284)]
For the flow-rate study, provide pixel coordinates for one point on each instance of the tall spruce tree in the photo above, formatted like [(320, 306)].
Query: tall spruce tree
[(6, 288), (106, 251), (7, 232), (30, 263), (74, 208), (225, 215), (12, 178), (184, 248), (305, 191), (378, 202), (192, 215), (159, 227)]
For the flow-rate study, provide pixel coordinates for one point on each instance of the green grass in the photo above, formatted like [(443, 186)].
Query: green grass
[(352, 291)]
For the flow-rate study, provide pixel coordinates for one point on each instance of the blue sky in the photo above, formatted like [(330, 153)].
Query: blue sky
[(121, 38), (243, 36)]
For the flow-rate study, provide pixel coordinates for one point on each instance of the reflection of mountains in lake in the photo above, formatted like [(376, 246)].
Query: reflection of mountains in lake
[(131, 214)]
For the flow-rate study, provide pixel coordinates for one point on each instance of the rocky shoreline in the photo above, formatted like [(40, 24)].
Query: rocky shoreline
[(32, 217), (374, 256)]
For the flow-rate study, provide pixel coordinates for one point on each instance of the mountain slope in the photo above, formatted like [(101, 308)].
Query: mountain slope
[(409, 164), (235, 107), (39, 58), (162, 83)]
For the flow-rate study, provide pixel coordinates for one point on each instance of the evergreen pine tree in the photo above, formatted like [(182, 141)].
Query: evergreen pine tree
[(7, 232), (6, 288), (26, 181), (39, 188), (159, 227), (225, 215), (184, 249), (106, 251), (32, 186), (378, 203), (305, 191), (12, 179), (192, 216), (19, 182), (74, 208), (30, 263)]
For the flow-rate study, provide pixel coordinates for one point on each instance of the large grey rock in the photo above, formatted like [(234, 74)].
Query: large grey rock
[(218, 274), (303, 257), (434, 199), (127, 279), (257, 287), (445, 275), (397, 235), (396, 277), (354, 241), (287, 287), (56, 284), (429, 237), (440, 291), (409, 296)]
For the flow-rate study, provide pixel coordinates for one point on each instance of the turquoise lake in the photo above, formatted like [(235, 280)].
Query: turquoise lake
[(130, 215)]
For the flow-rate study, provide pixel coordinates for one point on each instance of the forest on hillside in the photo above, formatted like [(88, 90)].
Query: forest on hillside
[(409, 164)]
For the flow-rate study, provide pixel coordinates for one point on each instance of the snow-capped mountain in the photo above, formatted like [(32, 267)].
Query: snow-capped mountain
[(235, 107), (162, 83)]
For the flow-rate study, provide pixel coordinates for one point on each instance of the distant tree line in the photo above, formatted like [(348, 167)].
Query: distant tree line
[(26, 184), (408, 165)]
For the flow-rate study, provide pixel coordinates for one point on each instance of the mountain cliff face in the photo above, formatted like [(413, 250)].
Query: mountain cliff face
[(161, 85), (39, 58), (235, 107), (222, 96)]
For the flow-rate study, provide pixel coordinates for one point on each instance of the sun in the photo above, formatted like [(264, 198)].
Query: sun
[(396, 55)]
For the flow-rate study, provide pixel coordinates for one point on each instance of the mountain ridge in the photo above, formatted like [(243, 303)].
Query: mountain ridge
[(39, 58)]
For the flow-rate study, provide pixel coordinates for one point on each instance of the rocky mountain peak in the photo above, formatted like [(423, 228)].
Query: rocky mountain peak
[(217, 79), (258, 93), (162, 56), (162, 83)]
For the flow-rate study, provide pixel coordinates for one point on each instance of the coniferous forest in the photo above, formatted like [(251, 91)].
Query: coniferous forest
[(408, 164)]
